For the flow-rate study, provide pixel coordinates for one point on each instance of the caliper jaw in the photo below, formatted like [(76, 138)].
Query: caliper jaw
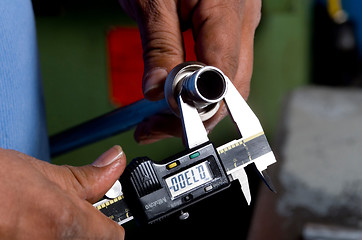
[(194, 131), (261, 165), (248, 125), (241, 175), (253, 143)]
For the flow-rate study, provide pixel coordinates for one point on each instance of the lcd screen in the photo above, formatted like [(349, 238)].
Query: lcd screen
[(189, 179)]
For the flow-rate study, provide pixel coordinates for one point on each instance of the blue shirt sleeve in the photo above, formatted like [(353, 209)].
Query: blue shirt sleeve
[(22, 114)]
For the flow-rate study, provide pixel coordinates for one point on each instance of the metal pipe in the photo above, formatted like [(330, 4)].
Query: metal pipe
[(205, 86), (202, 86)]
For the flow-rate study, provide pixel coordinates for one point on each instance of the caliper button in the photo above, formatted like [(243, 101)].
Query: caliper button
[(172, 165), (187, 198), (208, 188)]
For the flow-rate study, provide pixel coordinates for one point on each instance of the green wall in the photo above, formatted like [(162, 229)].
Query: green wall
[(282, 57)]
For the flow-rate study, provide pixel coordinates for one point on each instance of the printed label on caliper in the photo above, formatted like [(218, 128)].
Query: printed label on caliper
[(243, 151)]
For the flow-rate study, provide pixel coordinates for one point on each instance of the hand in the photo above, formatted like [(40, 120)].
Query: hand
[(44, 201), (224, 36)]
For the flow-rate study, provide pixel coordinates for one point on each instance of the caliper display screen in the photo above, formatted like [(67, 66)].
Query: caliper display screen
[(189, 179)]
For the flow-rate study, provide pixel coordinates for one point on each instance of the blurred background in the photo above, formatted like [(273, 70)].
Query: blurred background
[(307, 72)]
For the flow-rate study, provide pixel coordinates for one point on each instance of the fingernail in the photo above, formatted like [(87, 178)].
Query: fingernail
[(153, 83), (108, 157)]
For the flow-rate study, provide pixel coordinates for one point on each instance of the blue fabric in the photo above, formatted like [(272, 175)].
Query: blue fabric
[(22, 116)]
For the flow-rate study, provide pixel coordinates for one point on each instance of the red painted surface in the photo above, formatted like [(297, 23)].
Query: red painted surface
[(126, 63)]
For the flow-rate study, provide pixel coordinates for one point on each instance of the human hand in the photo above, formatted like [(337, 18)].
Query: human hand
[(224, 37), (44, 201)]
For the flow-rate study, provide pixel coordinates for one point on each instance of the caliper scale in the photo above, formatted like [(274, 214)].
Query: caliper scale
[(152, 191)]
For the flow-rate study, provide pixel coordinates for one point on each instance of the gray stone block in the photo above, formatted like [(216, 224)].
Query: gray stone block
[(321, 170)]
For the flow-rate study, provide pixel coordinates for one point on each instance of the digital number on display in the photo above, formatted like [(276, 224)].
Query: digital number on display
[(188, 179)]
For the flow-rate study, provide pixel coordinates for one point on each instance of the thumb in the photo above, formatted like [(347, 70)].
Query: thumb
[(162, 44), (92, 181)]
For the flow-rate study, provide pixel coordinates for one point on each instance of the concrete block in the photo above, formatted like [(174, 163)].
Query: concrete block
[(319, 172)]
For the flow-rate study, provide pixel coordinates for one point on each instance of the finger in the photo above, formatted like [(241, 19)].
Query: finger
[(162, 43), (88, 182), (224, 32), (216, 118), (78, 219), (252, 15), (161, 126), (96, 179), (216, 27), (186, 9), (158, 127), (98, 226)]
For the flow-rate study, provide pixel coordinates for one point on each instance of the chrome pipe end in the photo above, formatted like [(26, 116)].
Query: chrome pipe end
[(201, 86)]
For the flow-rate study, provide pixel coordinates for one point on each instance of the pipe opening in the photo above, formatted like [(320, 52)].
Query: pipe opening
[(211, 85)]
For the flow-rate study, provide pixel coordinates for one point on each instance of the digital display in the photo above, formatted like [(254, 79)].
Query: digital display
[(188, 179)]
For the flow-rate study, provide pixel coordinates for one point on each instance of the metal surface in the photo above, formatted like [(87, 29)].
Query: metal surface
[(116, 209), (238, 154), (244, 118), (194, 131), (240, 174), (184, 215), (176, 76), (205, 89), (203, 86)]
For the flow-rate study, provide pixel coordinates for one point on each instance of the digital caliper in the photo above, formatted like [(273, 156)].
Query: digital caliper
[(152, 191)]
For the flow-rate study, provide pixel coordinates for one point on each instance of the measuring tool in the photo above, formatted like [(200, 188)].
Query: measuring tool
[(152, 191)]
